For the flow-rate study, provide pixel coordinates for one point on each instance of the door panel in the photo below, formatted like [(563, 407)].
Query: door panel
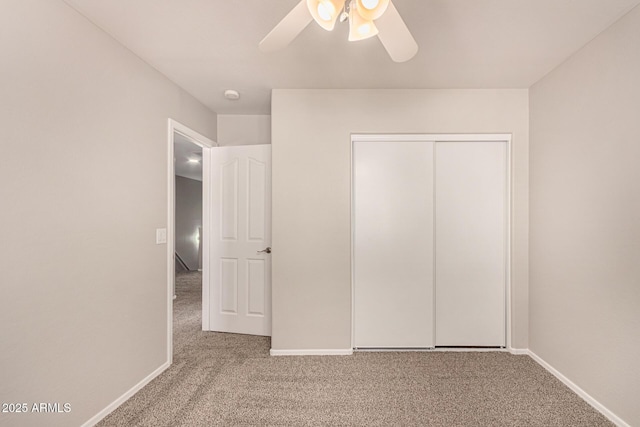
[(229, 286), (470, 243), (257, 198), (393, 249), (256, 274), (240, 284), (229, 199)]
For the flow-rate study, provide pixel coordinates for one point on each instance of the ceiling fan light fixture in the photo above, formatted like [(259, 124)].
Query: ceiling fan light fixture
[(371, 10), (325, 12), (394, 34), (360, 28)]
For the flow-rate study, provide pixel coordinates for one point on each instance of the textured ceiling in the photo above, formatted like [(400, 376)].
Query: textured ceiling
[(207, 46)]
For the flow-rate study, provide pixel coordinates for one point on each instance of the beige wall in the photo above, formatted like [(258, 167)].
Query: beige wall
[(83, 173), (585, 218), (244, 129), (311, 195)]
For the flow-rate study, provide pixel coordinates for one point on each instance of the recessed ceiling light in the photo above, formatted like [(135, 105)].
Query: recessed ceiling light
[(194, 160), (232, 95)]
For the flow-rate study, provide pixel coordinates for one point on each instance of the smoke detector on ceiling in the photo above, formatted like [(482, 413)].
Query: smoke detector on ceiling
[(232, 95)]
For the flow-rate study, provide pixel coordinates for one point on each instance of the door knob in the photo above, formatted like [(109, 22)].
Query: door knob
[(267, 250)]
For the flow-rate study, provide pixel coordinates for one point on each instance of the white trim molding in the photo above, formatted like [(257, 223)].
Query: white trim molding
[(436, 137), (313, 352), (579, 391), (119, 401), (174, 127), (469, 350)]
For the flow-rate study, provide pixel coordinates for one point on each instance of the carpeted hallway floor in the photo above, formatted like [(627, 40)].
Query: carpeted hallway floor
[(225, 379)]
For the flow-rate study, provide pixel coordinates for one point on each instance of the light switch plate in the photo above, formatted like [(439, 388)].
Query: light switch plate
[(161, 236)]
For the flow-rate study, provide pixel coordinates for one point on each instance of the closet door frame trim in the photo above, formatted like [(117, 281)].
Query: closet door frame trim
[(436, 138)]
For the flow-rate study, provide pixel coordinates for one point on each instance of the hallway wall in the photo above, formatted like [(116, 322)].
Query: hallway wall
[(188, 219)]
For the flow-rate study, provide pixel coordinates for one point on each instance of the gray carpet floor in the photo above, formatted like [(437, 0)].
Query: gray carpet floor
[(226, 379)]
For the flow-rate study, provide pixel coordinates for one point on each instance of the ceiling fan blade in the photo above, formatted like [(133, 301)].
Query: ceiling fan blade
[(287, 29), (395, 36)]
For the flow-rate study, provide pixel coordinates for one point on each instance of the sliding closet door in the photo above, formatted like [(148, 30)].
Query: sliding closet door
[(393, 244), (470, 243)]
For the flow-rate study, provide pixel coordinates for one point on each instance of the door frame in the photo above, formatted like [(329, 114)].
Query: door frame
[(435, 138), (206, 144)]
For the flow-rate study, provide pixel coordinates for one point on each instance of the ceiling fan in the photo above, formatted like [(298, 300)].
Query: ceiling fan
[(367, 18)]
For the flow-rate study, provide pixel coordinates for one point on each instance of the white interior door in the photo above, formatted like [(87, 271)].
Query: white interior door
[(393, 244), (240, 279), (470, 243)]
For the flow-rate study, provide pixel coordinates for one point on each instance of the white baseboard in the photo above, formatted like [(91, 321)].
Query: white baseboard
[(468, 350), (332, 352), (520, 351), (580, 392), (119, 401)]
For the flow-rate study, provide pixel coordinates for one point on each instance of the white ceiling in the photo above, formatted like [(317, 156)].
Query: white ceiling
[(207, 46), (183, 150)]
